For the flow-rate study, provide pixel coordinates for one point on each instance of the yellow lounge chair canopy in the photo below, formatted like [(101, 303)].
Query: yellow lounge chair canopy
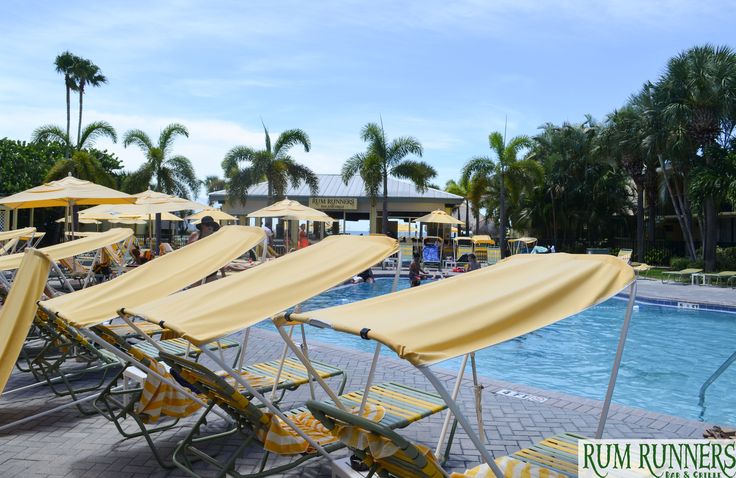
[(472, 311), (71, 248), (483, 239), (215, 214), (163, 276), (16, 233), (65, 191), (225, 306)]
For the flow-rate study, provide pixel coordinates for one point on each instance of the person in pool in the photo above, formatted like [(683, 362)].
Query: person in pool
[(473, 263), (416, 273)]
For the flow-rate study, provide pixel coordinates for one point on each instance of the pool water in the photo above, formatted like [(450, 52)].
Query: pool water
[(669, 354)]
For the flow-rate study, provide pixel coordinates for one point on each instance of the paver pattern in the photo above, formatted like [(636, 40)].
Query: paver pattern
[(67, 444)]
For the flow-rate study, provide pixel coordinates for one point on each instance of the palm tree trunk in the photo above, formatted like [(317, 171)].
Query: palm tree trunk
[(652, 207), (502, 216), (640, 224), (711, 234), (384, 218), (679, 211), (79, 125), (68, 112)]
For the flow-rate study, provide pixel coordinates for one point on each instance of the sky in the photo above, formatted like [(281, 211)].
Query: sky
[(447, 73)]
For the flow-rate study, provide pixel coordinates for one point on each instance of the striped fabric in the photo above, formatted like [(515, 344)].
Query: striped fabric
[(159, 398), (293, 373), (282, 439), (511, 468), (558, 453), (125, 330), (178, 347), (403, 405)]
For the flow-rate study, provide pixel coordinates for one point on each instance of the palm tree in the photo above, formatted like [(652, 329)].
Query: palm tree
[(212, 184), (388, 158), (85, 73), (460, 188), (369, 170), (507, 170), (273, 165), (169, 174), (80, 163), (699, 91), (64, 64)]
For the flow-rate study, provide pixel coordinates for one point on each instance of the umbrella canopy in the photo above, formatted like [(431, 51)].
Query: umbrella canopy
[(127, 221), (81, 220), (146, 203), (64, 192), (469, 312), (438, 217), (215, 214), (165, 216), (292, 210)]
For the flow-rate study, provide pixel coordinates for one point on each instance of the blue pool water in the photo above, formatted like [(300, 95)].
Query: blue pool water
[(669, 354)]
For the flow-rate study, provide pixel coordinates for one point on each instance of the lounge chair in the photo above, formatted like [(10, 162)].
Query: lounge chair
[(681, 275), (625, 255), (727, 276), (554, 457), (493, 255), (401, 406), (407, 252)]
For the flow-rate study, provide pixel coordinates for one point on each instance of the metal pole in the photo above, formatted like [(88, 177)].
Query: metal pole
[(478, 390), (616, 361), (311, 370), (369, 382), (461, 419), (397, 274), (239, 378), (242, 349), (715, 376), (455, 393), (281, 367)]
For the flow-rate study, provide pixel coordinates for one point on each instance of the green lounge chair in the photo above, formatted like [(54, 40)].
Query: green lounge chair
[(728, 276), (680, 276), (404, 405)]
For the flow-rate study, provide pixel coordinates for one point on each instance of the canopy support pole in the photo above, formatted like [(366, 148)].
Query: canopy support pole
[(455, 393), (305, 351), (128, 358), (397, 274), (369, 381), (281, 366), (243, 347), (310, 369), (62, 277), (452, 405), (478, 391), (616, 361), (146, 337), (268, 404)]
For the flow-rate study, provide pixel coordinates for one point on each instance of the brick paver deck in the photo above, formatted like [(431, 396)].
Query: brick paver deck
[(67, 444)]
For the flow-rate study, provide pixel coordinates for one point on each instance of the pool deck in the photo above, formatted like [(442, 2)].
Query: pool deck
[(67, 444)]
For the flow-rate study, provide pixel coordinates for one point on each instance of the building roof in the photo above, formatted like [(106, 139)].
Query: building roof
[(331, 185)]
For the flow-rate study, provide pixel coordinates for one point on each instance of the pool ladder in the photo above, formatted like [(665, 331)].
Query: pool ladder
[(730, 360)]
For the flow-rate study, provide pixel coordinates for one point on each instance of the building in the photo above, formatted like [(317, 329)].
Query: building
[(348, 202)]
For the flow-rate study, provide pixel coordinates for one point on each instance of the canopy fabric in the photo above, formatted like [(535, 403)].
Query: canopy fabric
[(438, 217), (292, 210), (71, 248), (81, 220), (471, 311), (165, 216), (127, 221), (215, 214), (161, 202), (525, 240), (16, 233), (157, 278), (483, 239), (17, 314), (64, 192), (222, 307)]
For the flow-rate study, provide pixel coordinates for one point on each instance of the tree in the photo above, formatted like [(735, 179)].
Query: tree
[(370, 171), (161, 171), (81, 160), (65, 63), (25, 165), (273, 165), (699, 94), (212, 184), (460, 188), (85, 73), (389, 158), (508, 172)]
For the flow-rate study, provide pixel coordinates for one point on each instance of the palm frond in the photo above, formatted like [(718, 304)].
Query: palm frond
[(169, 133), (139, 138), (94, 131), (401, 147), (50, 133), (289, 139), (418, 172)]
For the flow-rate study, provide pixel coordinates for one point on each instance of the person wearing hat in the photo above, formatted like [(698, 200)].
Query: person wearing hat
[(205, 227)]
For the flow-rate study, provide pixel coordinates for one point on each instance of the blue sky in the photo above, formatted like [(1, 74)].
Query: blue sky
[(447, 73)]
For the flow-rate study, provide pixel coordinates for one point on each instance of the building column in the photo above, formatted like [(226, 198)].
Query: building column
[(373, 219)]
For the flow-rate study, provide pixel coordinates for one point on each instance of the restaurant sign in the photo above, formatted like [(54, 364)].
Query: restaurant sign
[(334, 204)]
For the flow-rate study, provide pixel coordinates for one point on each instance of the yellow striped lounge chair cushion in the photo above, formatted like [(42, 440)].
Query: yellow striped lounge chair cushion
[(511, 468), (159, 398)]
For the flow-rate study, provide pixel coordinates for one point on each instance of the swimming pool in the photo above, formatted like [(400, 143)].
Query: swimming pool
[(669, 354)]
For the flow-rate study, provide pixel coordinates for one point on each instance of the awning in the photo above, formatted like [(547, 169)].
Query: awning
[(157, 278), (483, 239), (225, 306), (71, 248), (438, 217), (19, 233), (472, 311), (17, 314)]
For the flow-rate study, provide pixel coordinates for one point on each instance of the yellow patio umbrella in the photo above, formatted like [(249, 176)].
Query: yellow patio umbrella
[(438, 217), (215, 214), (165, 216), (290, 210), (81, 220), (67, 192), (121, 220)]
